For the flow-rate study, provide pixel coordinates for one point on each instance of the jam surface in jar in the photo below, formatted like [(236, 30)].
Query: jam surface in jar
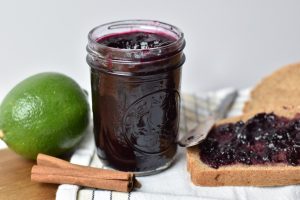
[(136, 116), (136, 40)]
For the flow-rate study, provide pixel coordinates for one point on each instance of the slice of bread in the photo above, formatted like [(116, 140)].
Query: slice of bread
[(281, 88), (240, 174), (278, 93)]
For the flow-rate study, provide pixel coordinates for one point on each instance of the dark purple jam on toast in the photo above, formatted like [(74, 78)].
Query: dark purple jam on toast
[(263, 139)]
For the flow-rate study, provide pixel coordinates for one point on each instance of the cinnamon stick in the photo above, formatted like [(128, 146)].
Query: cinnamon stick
[(61, 176), (54, 170), (45, 160)]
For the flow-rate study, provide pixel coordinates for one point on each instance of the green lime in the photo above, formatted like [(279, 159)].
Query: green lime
[(45, 113)]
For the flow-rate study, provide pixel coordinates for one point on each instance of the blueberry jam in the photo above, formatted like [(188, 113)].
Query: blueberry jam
[(136, 103), (136, 40), (263, 139)]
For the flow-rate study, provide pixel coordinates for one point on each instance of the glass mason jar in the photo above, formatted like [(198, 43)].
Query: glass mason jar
[(136, 96)]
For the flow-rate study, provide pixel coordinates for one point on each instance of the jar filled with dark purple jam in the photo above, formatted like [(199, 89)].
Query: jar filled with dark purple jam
[(135, 79)]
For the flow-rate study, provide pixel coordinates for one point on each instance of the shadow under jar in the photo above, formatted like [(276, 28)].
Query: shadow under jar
[(135, 80)]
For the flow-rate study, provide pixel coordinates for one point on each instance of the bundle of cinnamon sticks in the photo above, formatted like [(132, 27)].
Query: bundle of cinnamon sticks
[(54, 170)]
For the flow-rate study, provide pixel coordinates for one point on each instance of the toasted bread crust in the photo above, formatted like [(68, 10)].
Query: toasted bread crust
[(278, 93)]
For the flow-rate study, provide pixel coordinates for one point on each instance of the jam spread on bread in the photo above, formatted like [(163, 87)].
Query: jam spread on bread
[(263, 139)]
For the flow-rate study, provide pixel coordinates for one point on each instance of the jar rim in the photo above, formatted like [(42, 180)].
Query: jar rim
[(169, 29)]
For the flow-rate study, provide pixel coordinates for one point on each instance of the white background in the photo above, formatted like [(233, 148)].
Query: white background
[(229, 42)]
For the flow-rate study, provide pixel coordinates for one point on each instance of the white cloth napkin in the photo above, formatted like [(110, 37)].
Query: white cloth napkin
[(174, 183), (2, 145)]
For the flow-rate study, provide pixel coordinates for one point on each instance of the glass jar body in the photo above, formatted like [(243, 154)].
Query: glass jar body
[(136, 105)]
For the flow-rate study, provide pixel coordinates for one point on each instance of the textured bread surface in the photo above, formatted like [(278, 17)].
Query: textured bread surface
[(278, 93), (281, 88)]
